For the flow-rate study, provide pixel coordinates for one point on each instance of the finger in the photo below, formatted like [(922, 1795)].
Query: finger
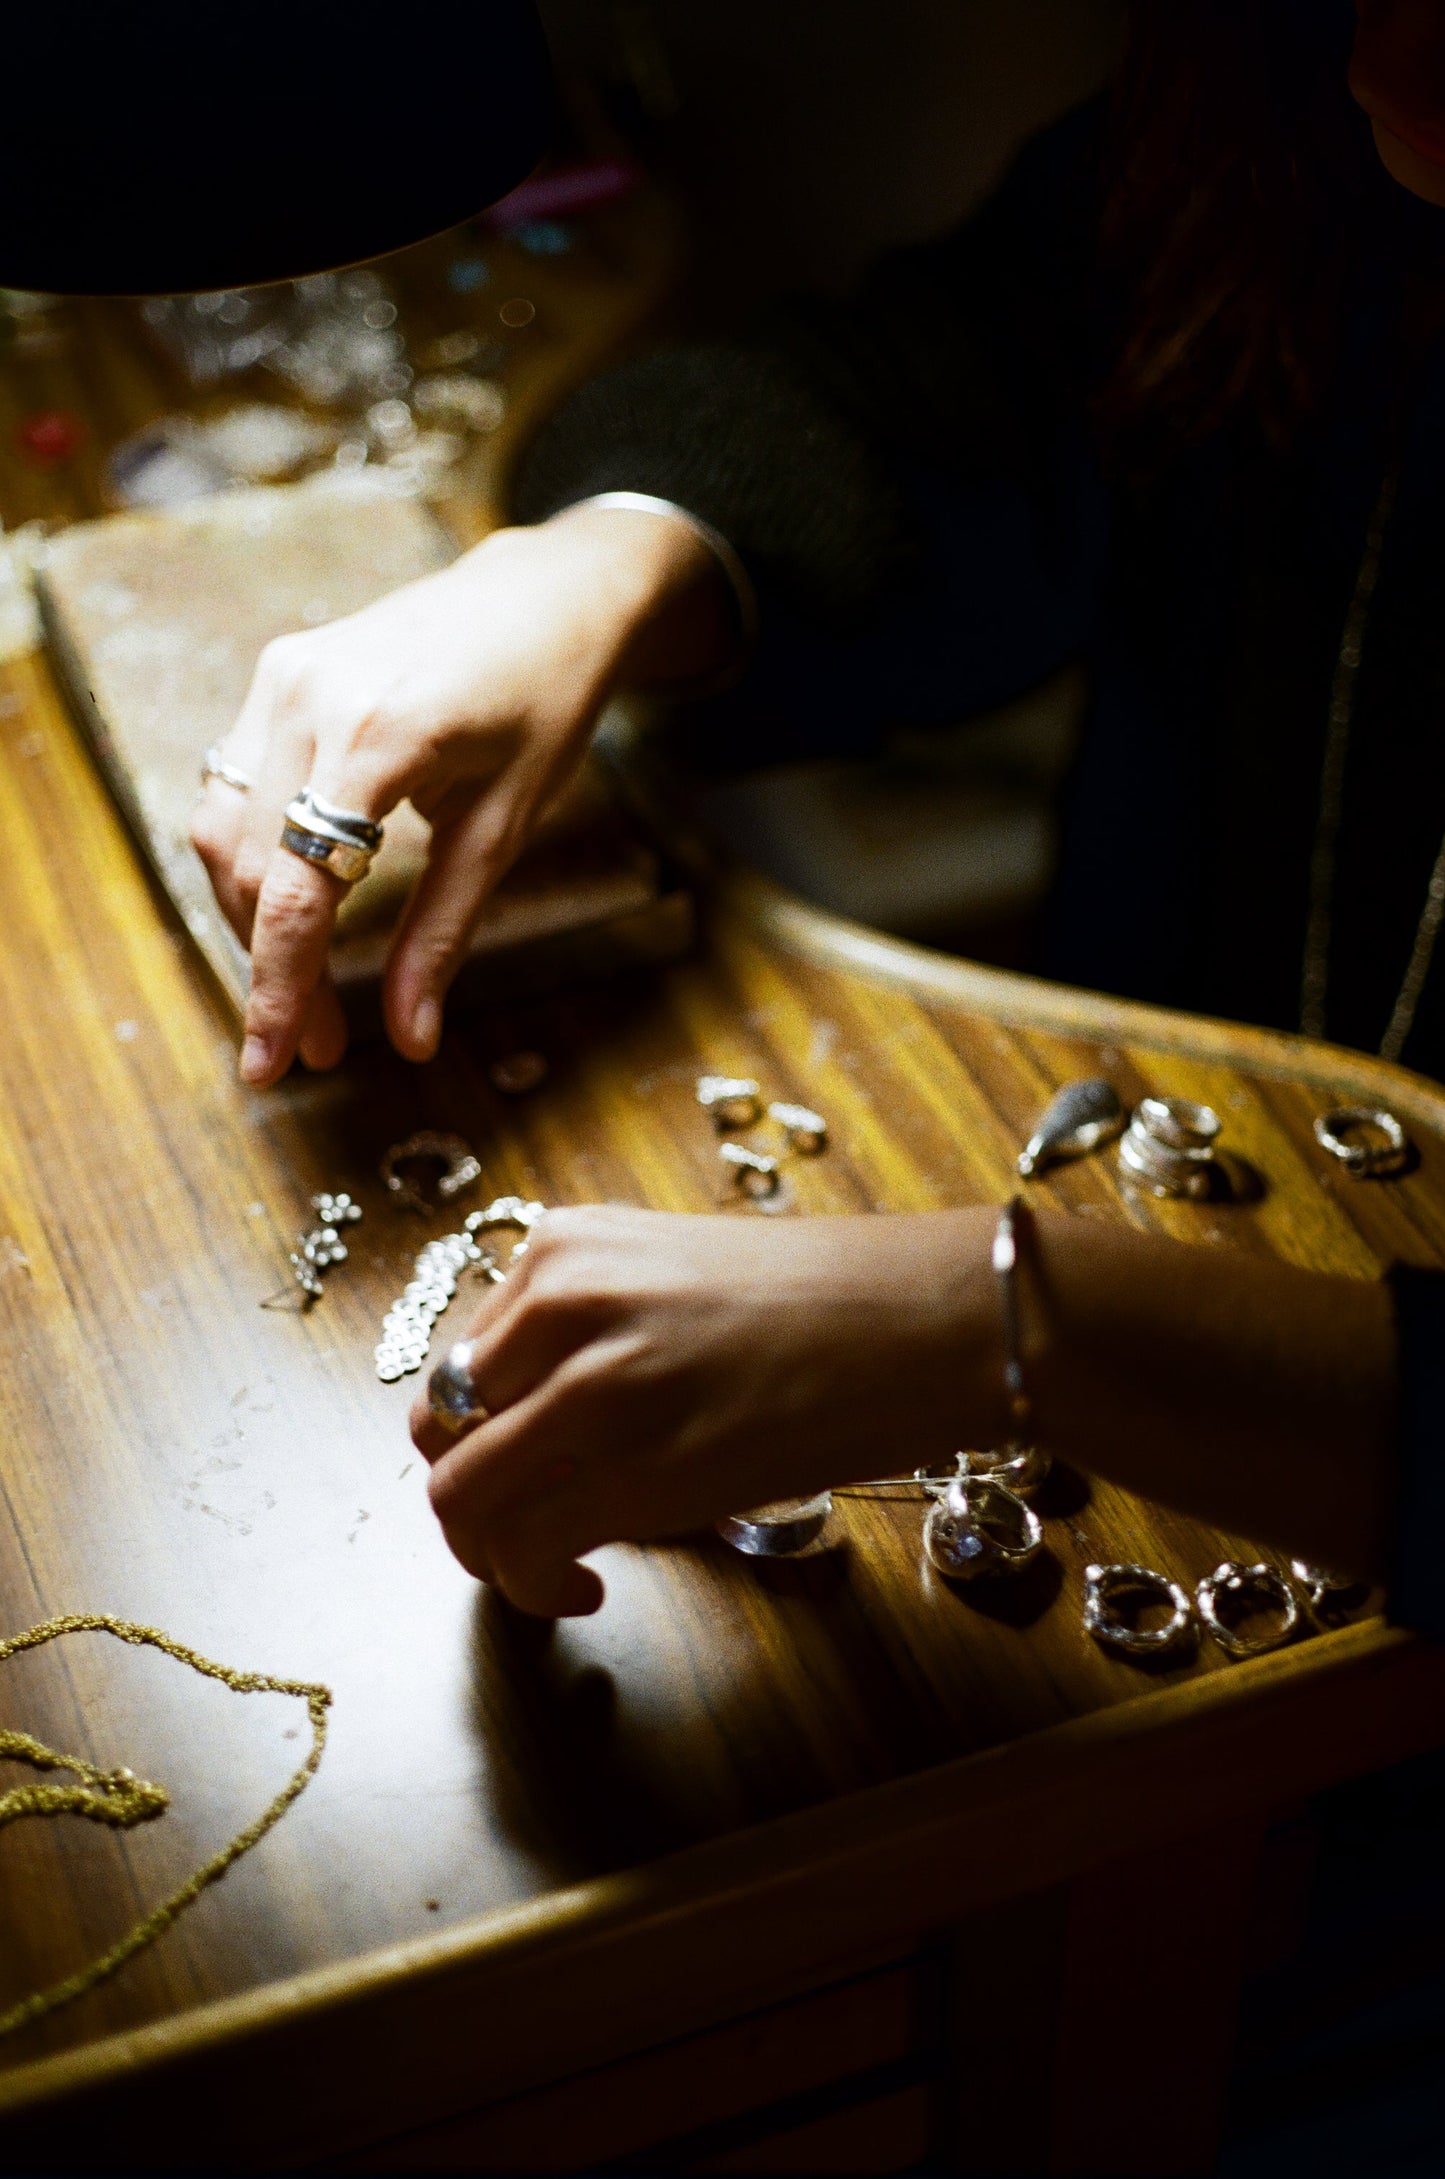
[(323, 1032), (469, 854), (516, 1352), (290, 940)]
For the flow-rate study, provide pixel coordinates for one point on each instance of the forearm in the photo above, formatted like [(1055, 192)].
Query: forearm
[(1254, 1395)]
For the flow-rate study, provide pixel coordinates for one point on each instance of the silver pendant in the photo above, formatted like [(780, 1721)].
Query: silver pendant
[(1081, 1117)]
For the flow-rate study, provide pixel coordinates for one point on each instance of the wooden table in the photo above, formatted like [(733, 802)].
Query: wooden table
[(813, 1865)]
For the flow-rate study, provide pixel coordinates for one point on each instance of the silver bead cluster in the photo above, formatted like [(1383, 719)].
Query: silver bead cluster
[(406, 1328), (316, 1251)]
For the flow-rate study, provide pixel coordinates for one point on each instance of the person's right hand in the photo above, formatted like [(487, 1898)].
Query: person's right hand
[(470, 693)]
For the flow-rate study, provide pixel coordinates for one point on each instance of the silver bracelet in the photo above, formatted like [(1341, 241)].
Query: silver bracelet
[(1006, 1268), (738, 579)]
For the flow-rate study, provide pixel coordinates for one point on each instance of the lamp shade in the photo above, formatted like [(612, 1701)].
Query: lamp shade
[(155, 146)]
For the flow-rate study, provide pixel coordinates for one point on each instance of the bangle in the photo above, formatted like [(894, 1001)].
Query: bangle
[(736, 576), (1006, 1268)]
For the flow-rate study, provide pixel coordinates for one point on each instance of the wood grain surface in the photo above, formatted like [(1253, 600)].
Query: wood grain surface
[(778, 1770)]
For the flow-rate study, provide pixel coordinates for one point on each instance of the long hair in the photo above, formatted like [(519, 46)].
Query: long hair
[(1232, 216)]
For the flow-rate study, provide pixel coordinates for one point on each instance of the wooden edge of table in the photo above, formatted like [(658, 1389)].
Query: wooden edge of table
[(446, 2023), (1030, 1002)]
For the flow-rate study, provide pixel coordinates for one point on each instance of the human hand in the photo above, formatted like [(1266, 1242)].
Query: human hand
[(470, 693), (646, 1373)]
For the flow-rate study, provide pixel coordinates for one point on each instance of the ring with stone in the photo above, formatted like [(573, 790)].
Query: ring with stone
[(977, 1529)]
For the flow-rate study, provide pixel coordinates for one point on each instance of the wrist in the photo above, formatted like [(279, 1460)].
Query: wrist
[(674, 605)]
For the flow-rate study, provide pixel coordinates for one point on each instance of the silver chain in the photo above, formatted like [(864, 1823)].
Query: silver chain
[(1315, 969)]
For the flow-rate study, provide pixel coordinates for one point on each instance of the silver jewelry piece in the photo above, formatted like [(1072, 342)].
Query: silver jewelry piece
[(1021, 1469), (1082, 1117), (341, 841), (450, 1393), (779, 1530), (1365, 1160), (429, 1147), (406, 1328), (316, 1251), (1006, 1269), (753, 1172), (977, 1528), (1322, 1586), (1106, 1588), (1251, 1584), (214, 766), (517, 1072), (733, 1102), (806, 1132), (1169, 1145)]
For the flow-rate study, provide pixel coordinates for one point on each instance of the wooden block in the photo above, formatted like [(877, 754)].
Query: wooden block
[(157, 620)]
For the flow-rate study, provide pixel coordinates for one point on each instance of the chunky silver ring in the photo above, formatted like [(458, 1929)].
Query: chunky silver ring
[(1105, 1589), (1265, 1584), (1169, 1146), (352, 824), (978, 1528), (731, 1101), (214, 766), (342, 857), (780, 1530), (806, 1132), (450, 1393), (1364, 1160)]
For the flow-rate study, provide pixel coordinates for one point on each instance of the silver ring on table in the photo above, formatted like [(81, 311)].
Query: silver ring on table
[(1261, 1584), (1106, 1587), (1323, 1587), (779, 1530), (978, 1528), (1363, 1159), (214, 766)]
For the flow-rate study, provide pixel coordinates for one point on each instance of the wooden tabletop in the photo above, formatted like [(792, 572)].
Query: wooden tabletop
[(173, 1454)]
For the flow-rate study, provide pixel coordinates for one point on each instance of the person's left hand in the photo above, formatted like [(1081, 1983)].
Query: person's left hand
[(646, 1373)]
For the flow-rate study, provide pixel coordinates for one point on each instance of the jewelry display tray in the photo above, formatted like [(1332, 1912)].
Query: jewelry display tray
[(155, 621)]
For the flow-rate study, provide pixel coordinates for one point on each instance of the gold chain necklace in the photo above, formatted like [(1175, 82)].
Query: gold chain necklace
[(1315, 971), (118, 1798)]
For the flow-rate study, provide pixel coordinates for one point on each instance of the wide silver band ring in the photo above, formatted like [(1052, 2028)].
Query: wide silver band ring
[(1106, 1587), (1261, 1584), (1363, 1159), (977, 1528), (780, 1530), (351, 824), (450, 1393), (343, 858), (214, 766)]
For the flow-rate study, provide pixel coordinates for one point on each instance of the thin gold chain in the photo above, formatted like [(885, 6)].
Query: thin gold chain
[(118, 1798)]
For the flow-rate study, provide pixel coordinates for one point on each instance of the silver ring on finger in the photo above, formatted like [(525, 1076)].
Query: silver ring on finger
[(214, 766), (451, 1393)]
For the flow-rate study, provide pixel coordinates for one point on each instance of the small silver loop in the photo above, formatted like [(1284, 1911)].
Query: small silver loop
[(1105, 1588), (732, 1102), (978, 1528), (214, 766), (1365, 1160), (1264, 1583), (806, 1131), (753, 1173), (429, 1146)]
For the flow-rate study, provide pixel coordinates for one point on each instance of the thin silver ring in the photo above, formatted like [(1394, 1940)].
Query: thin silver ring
[(1105, 1586), (1364, 1160), (214, 766), (1264, 1582)]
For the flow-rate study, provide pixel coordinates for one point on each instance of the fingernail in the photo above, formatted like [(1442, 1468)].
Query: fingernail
[(255, 1059), (426, 1026)]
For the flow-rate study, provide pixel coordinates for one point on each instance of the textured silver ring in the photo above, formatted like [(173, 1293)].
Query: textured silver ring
[(345, 860), (214, 766), (1265, 1584), (1106, 1587), (978, 1528), (450, 1393), (352, 824), (1363, 1159)]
